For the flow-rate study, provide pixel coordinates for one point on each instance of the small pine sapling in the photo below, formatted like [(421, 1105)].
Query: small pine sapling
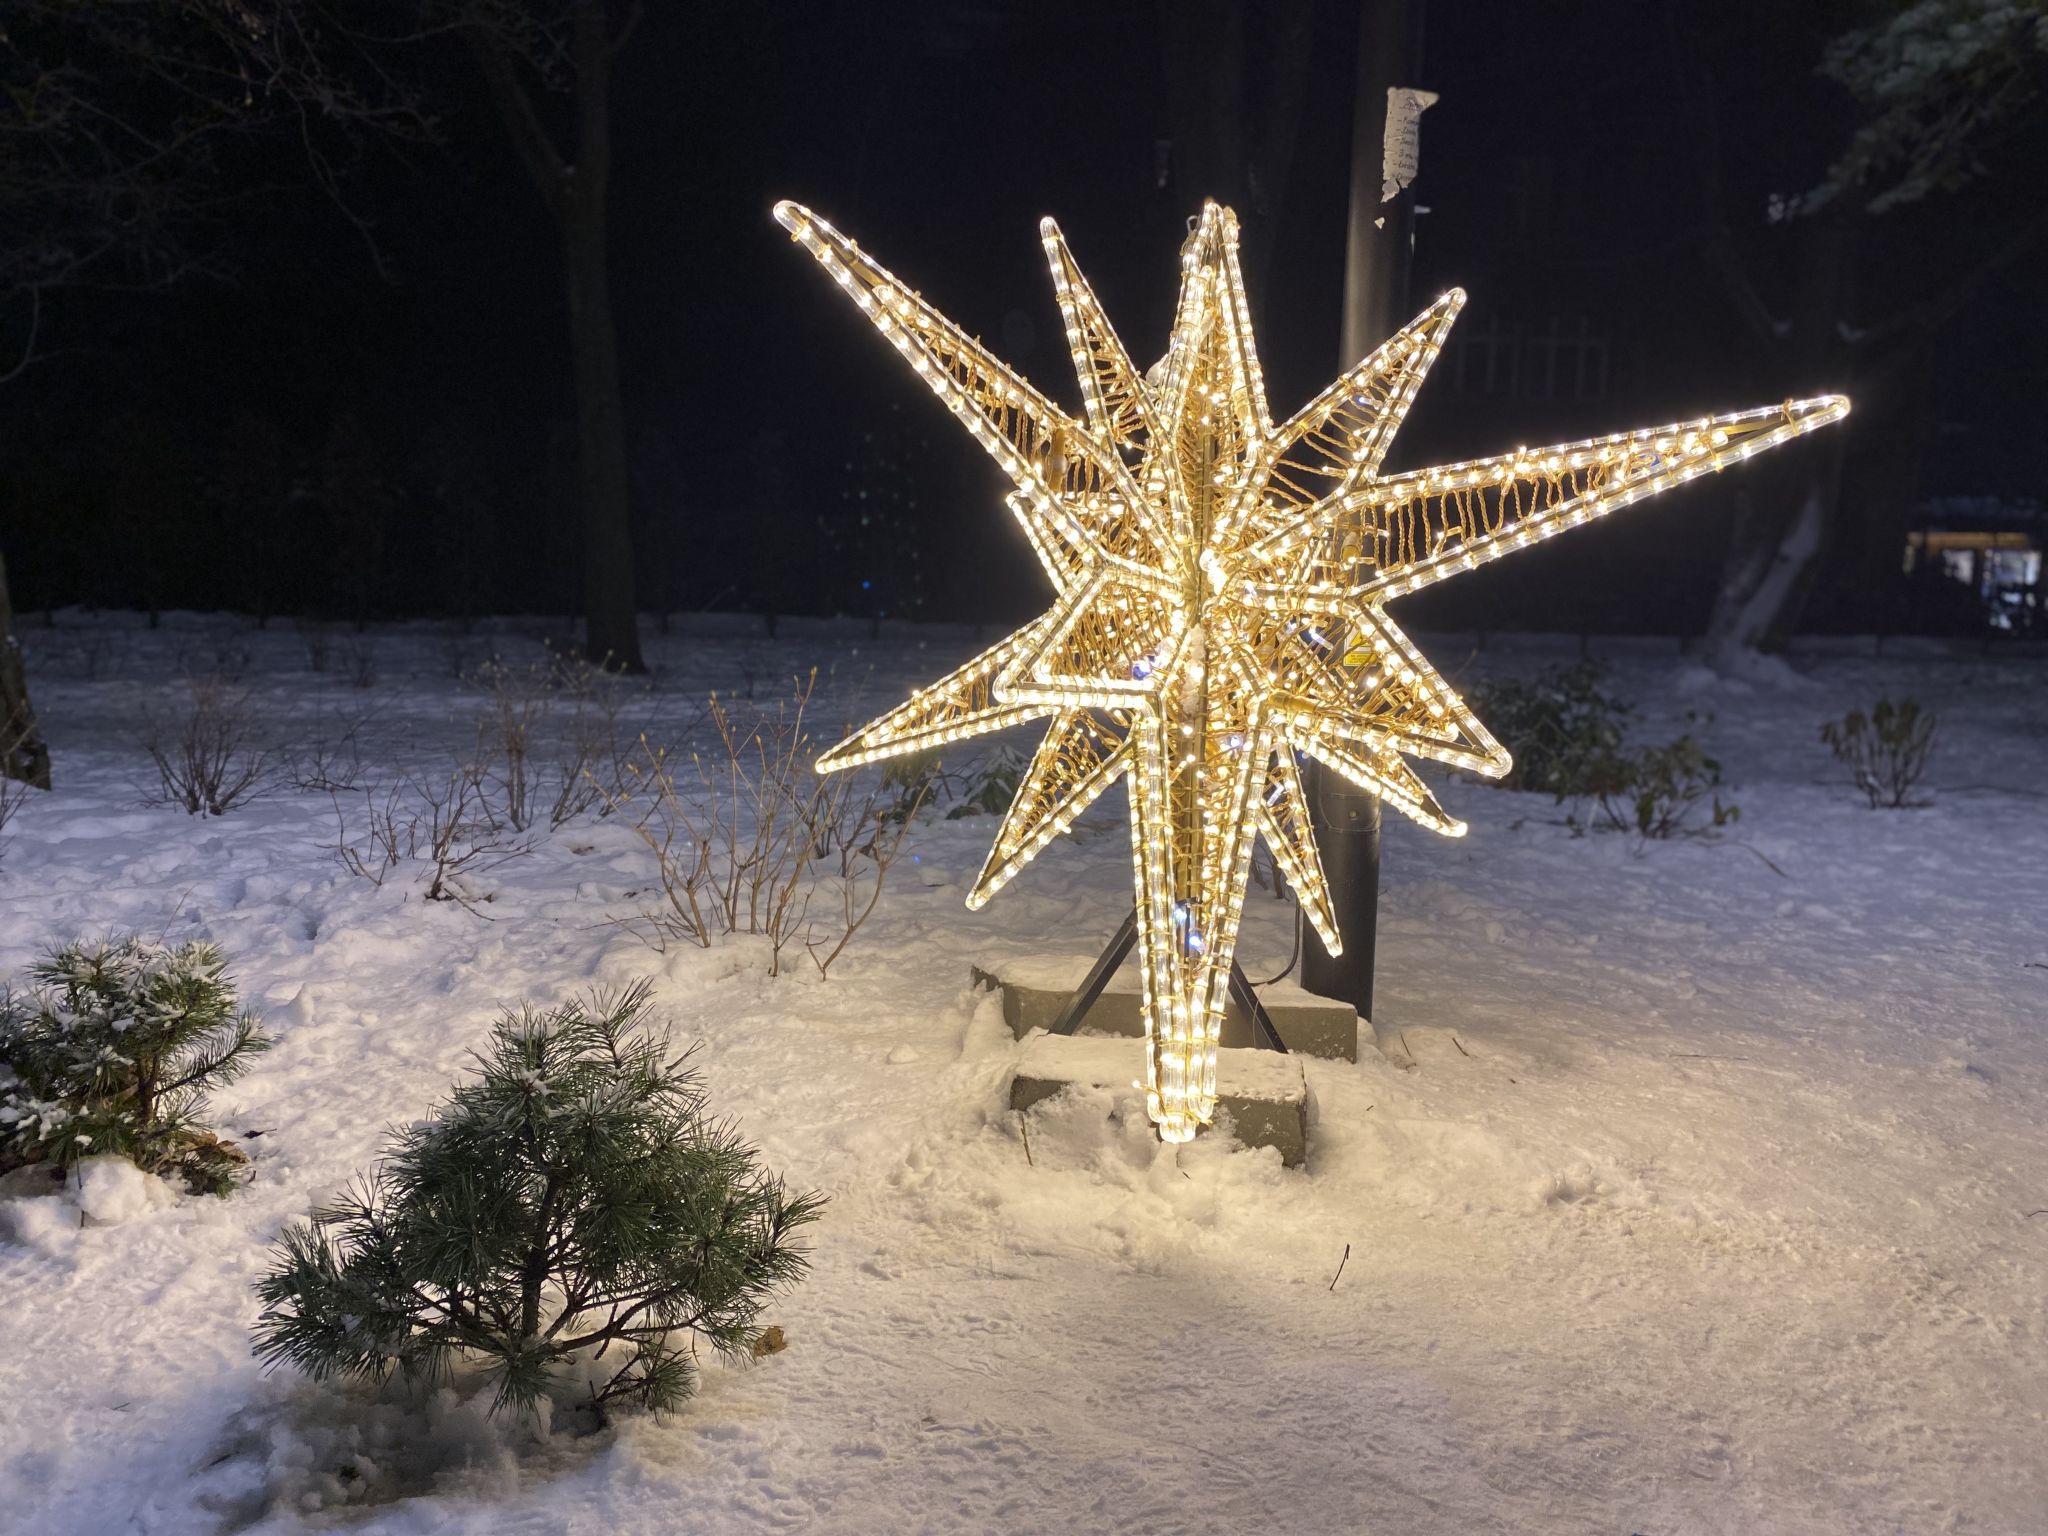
[(569, 1220), (115, 1051), (1887, 749)]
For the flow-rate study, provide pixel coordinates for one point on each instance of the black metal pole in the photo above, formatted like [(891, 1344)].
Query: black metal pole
[(1380, 241)]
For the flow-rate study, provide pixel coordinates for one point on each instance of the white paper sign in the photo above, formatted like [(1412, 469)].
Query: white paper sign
[(1401, 149)]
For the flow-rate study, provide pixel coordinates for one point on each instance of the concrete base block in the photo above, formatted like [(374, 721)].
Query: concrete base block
[(1036, 989), (1263, 1093)]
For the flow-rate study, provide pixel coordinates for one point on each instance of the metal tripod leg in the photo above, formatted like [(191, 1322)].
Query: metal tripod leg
[(1264, 1034), (1085, 995)]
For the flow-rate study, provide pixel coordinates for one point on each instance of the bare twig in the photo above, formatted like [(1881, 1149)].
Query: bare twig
[(1768, 864), (1340, 1268)]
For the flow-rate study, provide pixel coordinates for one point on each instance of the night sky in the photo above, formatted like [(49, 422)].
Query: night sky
[(1556, 172)]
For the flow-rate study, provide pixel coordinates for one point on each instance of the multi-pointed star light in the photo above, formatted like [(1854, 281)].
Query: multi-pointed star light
[(1222, 586)]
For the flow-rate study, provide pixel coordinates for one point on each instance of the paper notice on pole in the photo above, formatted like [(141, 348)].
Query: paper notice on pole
[(1401, 149)]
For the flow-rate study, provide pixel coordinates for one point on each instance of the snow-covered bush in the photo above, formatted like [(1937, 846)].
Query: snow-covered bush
[(920, 780), (1568, 737), (1563, 727), (988, 789), (1887, 749), (115, 1051), (569, 1221), (1653, 791)]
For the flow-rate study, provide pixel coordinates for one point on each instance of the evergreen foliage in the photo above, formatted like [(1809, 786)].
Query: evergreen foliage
[(115, 1051), (990, 788), (1653, 791), (1563, 727), (1568, 736), (568, 1218)]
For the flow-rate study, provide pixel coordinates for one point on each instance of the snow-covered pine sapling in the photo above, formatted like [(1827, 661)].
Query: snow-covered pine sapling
[(115, 1050), (569, 1222), (1887, 749)]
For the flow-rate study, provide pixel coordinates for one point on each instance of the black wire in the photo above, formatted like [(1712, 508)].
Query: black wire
[(1293, 959)]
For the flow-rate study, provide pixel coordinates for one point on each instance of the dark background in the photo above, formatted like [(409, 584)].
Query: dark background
[(416, 421)]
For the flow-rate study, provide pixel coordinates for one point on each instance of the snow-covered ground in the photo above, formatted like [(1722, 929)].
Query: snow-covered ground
[(1714, 1218)]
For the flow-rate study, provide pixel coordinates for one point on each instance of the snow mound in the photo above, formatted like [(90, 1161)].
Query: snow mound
[(102, 1191)]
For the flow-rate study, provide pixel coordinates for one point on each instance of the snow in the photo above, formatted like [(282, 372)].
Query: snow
[(1703, 1206), (1104, 1061)]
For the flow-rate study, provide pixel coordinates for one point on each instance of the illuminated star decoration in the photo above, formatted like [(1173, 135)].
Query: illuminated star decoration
[(1222, 584)]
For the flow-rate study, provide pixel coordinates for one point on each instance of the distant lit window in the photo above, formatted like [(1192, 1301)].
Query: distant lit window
[(2012, 567)]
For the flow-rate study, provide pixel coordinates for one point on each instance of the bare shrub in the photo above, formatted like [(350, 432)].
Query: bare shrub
[(551, 736), (359, 658), (99, 653), (331, 760), (318, 639), (748, 838), (13, 795), (383, 837), (231, 661), (206, 756), (442, 821)]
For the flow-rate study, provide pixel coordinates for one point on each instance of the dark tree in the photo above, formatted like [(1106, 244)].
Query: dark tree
[(529, 52), (1236, 76), (1913, 110), (24, 755), (122, 158)]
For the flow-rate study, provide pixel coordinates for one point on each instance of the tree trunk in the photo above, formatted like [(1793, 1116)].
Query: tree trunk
[(1776, 552), (613, 633), (1759, 590), (24, 754), (575, 188)]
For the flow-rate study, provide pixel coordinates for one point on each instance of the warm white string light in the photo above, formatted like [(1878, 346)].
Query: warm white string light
[(1222, 586)]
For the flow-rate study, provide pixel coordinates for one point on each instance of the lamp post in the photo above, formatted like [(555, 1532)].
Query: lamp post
[(1378, 246)]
